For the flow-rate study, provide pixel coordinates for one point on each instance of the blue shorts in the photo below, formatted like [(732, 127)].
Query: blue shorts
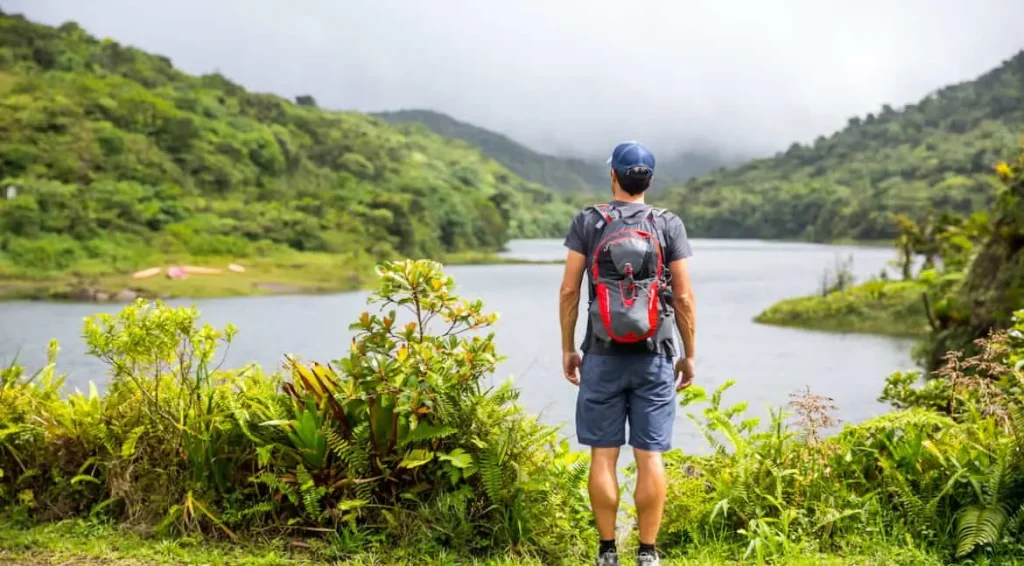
[(616, 389)]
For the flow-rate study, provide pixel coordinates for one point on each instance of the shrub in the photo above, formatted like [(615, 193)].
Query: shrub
[(400, 443), (945, 471)]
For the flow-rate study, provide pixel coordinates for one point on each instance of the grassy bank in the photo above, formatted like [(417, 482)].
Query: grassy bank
[(892, 308), (82, 543), (281, 273)]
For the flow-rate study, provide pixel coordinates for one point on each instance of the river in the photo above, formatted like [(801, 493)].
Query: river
[(733, 281)]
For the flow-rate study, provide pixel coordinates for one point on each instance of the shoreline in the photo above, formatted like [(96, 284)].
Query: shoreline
[(881, 308), (298, 273), (284, 274)]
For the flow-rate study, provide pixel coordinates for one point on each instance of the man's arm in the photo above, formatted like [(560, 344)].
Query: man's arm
[(569, 298), (685, 306)]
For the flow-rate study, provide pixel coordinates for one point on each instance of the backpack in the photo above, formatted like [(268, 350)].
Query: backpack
[(632, 294)]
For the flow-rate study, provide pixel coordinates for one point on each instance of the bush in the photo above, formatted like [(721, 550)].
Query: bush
[(398, 444), (944, 472)]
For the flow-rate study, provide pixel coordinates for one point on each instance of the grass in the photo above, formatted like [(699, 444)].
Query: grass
[(284, 273), (893, 308), (87, 543)]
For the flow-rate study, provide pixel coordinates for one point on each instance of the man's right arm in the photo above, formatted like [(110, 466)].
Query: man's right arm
[(677, 253), (684, 304)]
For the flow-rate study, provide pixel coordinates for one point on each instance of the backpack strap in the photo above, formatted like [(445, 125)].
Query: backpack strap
[(654, 214), (603, 210)]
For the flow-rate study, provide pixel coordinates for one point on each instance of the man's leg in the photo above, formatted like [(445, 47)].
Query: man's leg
[(601, 424), (604, 490), (650, 494), (652, 413)]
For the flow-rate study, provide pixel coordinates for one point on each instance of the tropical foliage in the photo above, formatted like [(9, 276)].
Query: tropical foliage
[(936, 154), (401, 443), (944, 472), (402, 447), (112, 157), (959, 278)]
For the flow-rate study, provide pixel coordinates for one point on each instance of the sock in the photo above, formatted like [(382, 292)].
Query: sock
[(647, 548), (606, 546)]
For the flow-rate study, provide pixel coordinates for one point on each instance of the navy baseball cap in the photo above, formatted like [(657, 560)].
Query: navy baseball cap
[(633, 159)]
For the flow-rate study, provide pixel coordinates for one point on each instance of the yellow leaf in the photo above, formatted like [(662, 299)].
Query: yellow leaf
[(436, 283), (403, 353)]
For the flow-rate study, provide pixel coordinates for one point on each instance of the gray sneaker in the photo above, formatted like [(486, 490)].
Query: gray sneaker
[(608, 559), (647, 559)]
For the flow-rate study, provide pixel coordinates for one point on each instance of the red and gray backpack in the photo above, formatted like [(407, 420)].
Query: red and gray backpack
[(629, 278)]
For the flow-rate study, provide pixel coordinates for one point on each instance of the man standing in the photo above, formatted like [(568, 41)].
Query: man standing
[(635, 257)]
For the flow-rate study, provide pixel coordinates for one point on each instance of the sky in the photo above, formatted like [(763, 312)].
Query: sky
[(574, 77)]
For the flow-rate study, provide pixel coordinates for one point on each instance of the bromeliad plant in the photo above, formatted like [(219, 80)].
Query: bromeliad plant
[(384, 415), (406, 423)]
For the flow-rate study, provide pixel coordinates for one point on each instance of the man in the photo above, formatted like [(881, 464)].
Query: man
[(627, 372)]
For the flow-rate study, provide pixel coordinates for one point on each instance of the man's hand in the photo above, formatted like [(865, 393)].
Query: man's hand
[(684, 373), (571, 366)]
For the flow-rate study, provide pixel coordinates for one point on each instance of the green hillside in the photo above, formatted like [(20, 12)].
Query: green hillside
[(118, 159), (565, 174), (569, 175), (938, 153)]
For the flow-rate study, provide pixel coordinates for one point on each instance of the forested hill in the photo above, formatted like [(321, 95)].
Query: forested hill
[(938, 153), (113, 152), (565, 174), (569, 175)]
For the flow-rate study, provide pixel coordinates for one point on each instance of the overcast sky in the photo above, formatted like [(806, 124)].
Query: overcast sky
[(579, 75)]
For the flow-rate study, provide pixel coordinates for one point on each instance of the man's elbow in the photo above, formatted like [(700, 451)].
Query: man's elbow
[(684, 301), (569, 295)]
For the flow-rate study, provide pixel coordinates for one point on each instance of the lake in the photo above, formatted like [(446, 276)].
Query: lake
[(733, 281)]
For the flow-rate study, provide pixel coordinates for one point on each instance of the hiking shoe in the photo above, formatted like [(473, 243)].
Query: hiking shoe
[(647, 559), (607, 559)]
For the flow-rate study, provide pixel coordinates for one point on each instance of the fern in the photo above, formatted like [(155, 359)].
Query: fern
[(492, 477), (128, 448), (427, 433), (979, 525)]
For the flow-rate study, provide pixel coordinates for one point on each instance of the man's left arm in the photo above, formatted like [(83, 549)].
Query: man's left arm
[(569, 297)]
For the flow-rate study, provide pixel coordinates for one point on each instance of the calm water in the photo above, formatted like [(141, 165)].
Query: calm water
[(733, 281)]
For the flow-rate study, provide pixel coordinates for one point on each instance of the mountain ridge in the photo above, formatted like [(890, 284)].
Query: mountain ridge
[(565, 174), (935, 154), (119, 157)]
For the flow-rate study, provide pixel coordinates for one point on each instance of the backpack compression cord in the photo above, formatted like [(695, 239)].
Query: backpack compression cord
[(629, 277)]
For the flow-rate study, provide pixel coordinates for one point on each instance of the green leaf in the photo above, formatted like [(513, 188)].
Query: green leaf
[(416, 458), (458, 457), (349, 504)]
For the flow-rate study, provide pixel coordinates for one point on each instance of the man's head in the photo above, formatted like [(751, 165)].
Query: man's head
[(632, 167)]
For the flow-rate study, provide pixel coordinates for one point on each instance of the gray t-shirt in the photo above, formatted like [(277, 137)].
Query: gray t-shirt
[(583, 235)]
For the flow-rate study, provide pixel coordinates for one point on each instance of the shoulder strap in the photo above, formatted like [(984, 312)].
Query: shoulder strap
[(654, 214), (605, 211)]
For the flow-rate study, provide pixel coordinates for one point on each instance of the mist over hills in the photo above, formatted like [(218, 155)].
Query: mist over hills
[(564, 173)]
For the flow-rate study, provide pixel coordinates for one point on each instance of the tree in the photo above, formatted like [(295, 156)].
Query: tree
[(305, 100)]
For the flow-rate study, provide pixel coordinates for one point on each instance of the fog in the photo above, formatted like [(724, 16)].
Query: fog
[(574, 77)]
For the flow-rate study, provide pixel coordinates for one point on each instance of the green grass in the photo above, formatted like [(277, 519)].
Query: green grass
[(86, 543), (281, 273), (892, 308)]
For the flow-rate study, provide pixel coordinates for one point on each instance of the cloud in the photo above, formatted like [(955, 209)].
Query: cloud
[(576, 76)]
